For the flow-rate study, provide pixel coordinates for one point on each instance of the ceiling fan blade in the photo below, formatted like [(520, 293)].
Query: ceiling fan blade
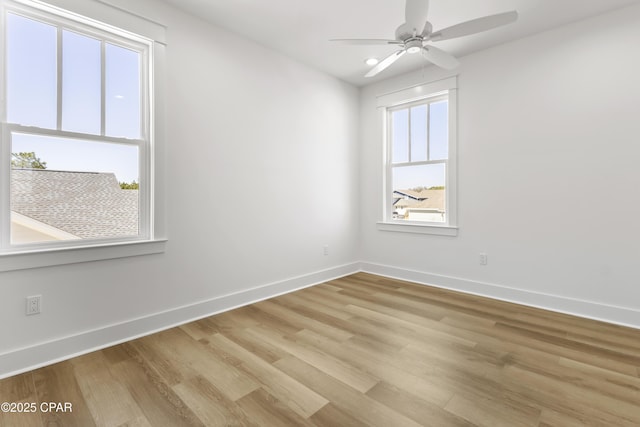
[(366, 41), (415, 14), (474, 26), (440, 58), (385, 63)]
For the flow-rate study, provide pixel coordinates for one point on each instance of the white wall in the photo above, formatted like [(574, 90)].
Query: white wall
[(549, 145), (260, 173)]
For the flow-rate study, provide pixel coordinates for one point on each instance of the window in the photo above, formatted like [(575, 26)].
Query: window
[(77, 131), (420, 164)]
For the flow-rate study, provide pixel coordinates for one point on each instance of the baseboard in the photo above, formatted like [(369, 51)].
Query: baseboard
[(587, 309), (25, 359)]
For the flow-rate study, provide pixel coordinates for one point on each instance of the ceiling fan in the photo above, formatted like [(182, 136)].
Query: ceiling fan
[(416, 33)]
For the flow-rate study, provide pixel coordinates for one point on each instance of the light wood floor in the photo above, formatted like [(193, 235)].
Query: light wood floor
[(358, 351)]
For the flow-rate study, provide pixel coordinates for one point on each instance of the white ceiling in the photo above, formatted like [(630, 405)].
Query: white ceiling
[(301, 28)]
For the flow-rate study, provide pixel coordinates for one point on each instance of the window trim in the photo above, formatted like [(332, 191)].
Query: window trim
[(406, 98), (151, 238), (73, 255)]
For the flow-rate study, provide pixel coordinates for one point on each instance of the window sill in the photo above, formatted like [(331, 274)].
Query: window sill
[(46, 258), (437, 230)]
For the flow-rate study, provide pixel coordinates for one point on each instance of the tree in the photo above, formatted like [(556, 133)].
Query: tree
[(27, 161), (421, 188), (133, 186)]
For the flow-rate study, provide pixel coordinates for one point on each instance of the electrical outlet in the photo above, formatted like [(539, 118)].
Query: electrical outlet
[(326, 250), (34, 304), (483, 259)]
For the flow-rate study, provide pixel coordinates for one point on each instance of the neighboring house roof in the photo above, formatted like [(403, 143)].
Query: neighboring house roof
[(425, 199), (416, 195), (88, 205)]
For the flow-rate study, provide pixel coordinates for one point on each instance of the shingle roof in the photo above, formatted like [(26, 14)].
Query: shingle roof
[(89, 205), (427, 199), (432, 199)]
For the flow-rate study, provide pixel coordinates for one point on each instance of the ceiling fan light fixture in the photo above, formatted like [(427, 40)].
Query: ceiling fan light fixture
[(371, 61), (413, 46)]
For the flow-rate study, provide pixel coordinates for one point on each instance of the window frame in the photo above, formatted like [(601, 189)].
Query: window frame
[(424, 94), (149, 239)]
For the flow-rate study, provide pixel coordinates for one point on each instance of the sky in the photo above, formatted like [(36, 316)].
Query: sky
[(32, 98), (418, 142)]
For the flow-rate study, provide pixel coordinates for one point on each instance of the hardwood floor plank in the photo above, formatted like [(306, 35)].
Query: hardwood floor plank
[(262, 349), (596, 403), (194, 358), (508, 337), (487, 413), (362, 350), (346, 398), (551, 418), (20, 419), (419, 410), (158, 402), (58, 383), (388, 368), (313, 306), (266, 410), (300, 398), (331, 416), (211, 406), (341, 371), (108, 400), (19, 389), (284, 312), (200, 329), (165, 365), (397, 324)]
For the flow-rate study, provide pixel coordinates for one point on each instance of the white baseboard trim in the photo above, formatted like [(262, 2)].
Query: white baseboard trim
[(587, 309), (42, 354)]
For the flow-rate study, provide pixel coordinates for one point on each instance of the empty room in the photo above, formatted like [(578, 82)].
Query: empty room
[(319, 213)]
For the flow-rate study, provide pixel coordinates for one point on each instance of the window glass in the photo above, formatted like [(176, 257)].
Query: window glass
[(67, 189), (419, 127), (122, 92), (419, 177), (400, 136), (81, 83), (438, 130), (31, 72), (419, 192)]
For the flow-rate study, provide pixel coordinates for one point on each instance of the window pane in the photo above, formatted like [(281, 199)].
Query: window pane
[(439, 131), (81, 87), (400, 136), (78, 195), (419, 133), (31, 72), (419, 193), (122, 92)]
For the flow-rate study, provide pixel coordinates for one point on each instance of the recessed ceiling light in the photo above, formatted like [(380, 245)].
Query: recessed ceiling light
[(371, 61)]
